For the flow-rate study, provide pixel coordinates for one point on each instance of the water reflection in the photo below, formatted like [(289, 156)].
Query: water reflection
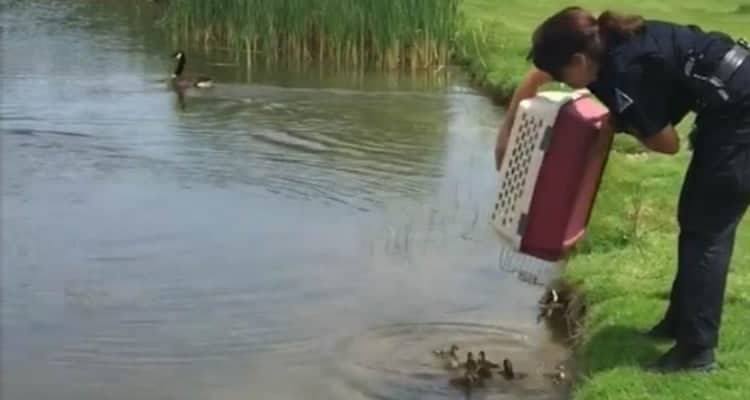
[(284, 235)]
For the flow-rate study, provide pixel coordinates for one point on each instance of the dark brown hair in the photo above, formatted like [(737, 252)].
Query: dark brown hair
[(574, 30)]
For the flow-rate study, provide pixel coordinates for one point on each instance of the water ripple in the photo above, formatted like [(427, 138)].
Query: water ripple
[(396, 361)]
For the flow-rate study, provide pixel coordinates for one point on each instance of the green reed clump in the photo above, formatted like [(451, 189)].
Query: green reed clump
[(384, 33)]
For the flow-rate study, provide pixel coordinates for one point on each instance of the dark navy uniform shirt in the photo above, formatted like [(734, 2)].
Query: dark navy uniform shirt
[(641, 81)]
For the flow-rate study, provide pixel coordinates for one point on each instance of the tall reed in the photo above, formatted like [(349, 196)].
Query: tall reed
[(383, 33)]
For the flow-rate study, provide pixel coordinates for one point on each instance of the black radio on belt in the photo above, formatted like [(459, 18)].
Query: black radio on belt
[(713, 87)]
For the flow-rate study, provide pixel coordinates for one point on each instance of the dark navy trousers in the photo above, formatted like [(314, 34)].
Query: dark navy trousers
[(714, 198)]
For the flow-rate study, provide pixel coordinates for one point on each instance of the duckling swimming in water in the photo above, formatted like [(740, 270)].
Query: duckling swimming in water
[(464, 382), (485, 366), (181, 82), (472, 369), (446, 352), (484, 361), (508, 372), (471, 376), (484, 372), (559, 375), (548, 304), (452, 362), (471, 364), (449, 356)]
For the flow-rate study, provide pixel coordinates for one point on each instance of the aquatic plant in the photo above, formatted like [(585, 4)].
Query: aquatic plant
[(384, 33)]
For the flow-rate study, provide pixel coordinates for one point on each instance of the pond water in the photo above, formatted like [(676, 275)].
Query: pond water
[(284, 235)]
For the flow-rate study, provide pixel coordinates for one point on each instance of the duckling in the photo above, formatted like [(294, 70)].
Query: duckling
[(471, 377), (446, 352), (472, 369), (465, 382), (548, 304), (181, 82), (550, 296), (483, 361), (449, 356), (508, 372), (452, 362), (484, 372), (559, 375), (484, 366)]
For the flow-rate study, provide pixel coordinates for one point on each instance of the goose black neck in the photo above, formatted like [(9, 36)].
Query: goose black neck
[(180, 66)]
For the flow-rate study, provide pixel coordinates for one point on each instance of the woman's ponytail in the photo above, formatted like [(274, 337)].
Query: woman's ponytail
[(615, 27)]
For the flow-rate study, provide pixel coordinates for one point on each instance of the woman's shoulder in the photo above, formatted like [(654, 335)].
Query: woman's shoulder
[(657, 25), (652, 23), (642, 45), (686, 31), (668, 39), (657, 42)]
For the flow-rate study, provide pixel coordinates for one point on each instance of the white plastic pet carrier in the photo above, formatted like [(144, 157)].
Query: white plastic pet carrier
[(529, 139)]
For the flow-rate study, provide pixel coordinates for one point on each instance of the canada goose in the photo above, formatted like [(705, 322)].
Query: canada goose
[(182, 82)]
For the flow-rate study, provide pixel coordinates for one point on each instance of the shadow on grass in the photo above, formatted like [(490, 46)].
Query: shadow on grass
[(617, 347)]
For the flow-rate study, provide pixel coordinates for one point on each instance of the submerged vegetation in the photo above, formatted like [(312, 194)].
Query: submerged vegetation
[(353, 33)]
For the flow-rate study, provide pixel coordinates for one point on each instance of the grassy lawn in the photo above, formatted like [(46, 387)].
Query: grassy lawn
[(626, 266)]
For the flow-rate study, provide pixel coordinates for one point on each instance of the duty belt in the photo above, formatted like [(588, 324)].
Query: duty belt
[(724, 72), (732, 61)]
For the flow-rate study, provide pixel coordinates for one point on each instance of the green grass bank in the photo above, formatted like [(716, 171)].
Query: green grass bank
[(625, 268)]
